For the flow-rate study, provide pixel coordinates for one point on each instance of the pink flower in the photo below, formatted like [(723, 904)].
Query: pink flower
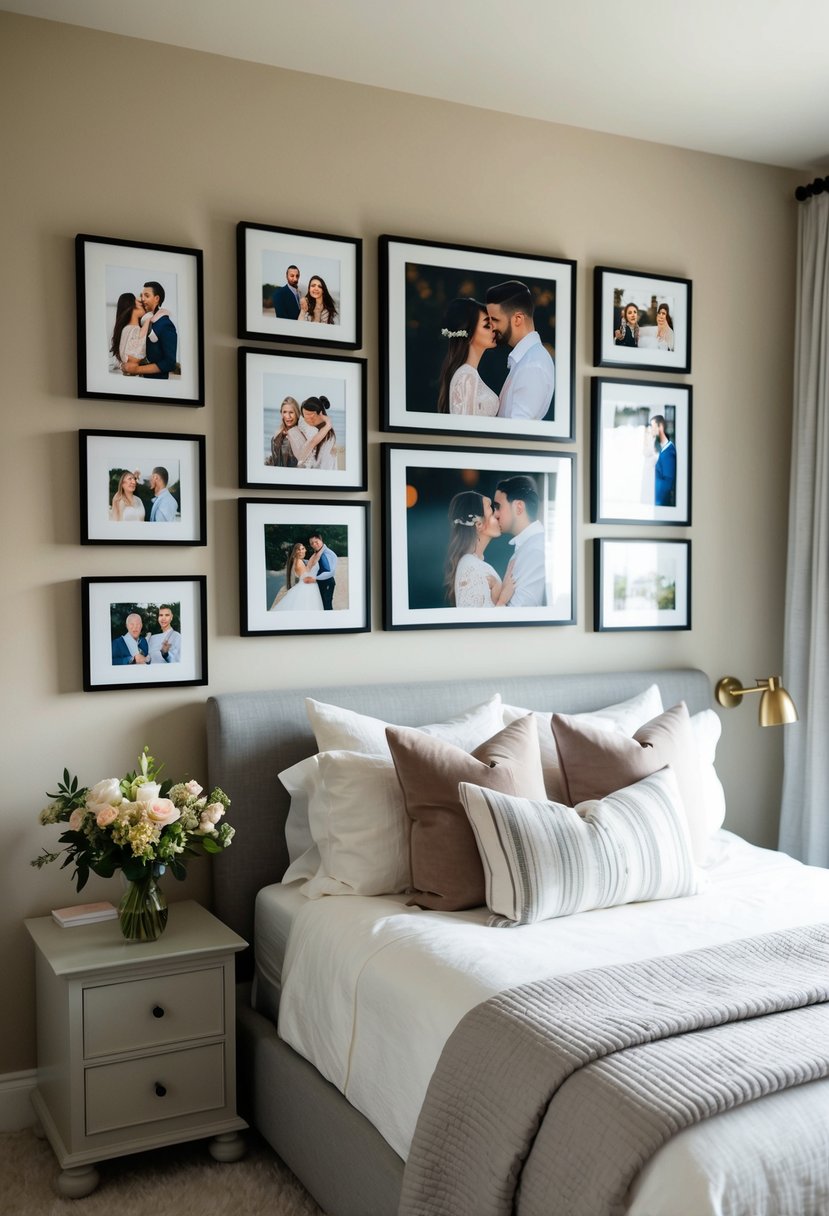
[(106, 816), (162, 811), (193, 788), (76, 819)]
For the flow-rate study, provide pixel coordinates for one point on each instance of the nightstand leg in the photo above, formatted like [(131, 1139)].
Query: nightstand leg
[(77, 1182), (228, 1147)]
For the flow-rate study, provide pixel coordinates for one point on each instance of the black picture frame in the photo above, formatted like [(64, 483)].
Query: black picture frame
[(270, 379), (265, 253), (641, 470), (107, 271), (417, 280), (268, 531), (641, 585), (420, 485), (106, 603), (107, 457), (650, 348)]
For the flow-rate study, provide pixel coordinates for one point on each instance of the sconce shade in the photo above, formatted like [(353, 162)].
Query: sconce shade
[(776, 706)]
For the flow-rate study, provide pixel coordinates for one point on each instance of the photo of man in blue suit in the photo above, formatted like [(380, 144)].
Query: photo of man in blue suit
[(286, 298), (130, 647), (664, 489)]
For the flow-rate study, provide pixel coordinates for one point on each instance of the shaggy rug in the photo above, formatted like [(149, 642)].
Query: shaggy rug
[(183, 1179)]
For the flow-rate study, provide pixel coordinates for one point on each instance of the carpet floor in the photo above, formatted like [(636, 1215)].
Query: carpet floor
[(183, 1179)]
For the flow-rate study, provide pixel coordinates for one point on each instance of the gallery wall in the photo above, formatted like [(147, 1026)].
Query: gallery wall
[(130, 139)]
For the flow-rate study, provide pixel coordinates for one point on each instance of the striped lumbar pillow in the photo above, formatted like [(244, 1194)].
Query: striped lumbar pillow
[(543, 859)]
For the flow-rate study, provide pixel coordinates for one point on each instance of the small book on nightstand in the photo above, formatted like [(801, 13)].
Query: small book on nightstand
[(84, 914)]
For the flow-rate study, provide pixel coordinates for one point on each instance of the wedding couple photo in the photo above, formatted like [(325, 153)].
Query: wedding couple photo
[(307, 568), (486, 543)]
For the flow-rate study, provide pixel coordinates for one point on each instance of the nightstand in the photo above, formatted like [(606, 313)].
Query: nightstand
[(135, 1041)]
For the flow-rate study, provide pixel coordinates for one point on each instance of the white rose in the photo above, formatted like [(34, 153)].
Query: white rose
[(193, 788), (147, 792), (105, 793), (162, 811)]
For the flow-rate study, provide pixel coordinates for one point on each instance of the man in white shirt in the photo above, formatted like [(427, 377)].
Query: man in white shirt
[(530, 383), (516, 506), (164, 647)]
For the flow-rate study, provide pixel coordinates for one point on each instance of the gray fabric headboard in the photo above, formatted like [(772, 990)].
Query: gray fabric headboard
[(253, 736)]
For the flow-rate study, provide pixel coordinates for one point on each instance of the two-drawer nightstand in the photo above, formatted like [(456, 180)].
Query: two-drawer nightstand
[(135, 1041)]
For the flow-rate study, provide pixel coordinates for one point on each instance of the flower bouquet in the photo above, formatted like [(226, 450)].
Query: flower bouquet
[(140, 826)]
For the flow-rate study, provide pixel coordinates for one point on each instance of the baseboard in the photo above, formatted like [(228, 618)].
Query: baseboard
[(16, 1111)]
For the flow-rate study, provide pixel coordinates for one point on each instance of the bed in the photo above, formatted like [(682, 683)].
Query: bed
[(372, 951)]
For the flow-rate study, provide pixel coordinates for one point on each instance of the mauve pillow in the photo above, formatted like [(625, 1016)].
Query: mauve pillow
[(596, 763), (446, 867)]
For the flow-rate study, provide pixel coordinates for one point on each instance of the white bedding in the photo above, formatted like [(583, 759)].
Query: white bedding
[(355, 967)]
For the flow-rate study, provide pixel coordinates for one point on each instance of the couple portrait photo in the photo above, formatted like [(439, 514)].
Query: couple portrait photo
[(298, 286), (140, 327), (132, 480), (488, 542), (145, 634), (151, 498), (307, 569), (477, 342), (300, 433), (144, 339), (303, 566), (641, 452)]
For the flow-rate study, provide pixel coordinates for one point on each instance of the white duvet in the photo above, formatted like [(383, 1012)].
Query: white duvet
[(372, 989)]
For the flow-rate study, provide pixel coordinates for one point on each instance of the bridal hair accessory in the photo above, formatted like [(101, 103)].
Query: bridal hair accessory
[(454, 333), (470, 521)]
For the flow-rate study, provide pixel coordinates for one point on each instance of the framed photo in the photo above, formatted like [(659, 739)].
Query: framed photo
[(140, 488), (478, 537), (304, 566), (302, 421), (140, 321), (641, 452), (641, 321), (453, 315), (144, 632), (641, 584), (298, 286)]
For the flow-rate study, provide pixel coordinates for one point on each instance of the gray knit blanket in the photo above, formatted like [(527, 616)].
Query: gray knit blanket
[(550, 1098)]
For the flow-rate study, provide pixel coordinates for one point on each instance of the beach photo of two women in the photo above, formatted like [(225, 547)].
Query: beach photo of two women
[(478, 538), (301, 420)]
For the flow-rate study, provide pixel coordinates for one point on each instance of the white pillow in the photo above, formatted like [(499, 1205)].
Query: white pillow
[(625, 717), (337, 729), (343, 729), (707, 728), (358, 820), (543, 860)]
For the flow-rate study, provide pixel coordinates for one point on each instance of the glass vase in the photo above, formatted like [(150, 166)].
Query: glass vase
[(142, 912)]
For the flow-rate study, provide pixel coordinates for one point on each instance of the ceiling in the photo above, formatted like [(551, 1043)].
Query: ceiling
[(743, 78)]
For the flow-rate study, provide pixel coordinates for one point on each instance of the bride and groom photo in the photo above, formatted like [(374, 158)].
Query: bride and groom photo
[(307, 570)]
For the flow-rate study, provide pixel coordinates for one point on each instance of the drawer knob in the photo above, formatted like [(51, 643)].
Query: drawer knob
[(158, 1012), (160, 1090)]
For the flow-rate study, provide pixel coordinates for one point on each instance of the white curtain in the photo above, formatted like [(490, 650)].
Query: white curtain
[(804, 821)]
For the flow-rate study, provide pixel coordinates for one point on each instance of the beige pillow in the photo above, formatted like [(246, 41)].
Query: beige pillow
[(596, 763), (446, 867)]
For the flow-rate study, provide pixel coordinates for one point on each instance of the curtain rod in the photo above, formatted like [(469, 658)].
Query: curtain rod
[(816, 187)]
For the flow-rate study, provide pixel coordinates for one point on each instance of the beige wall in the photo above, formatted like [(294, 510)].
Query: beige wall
[(221, 141)]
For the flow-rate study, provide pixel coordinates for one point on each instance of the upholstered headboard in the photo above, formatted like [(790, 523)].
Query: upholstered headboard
[(253, 736)]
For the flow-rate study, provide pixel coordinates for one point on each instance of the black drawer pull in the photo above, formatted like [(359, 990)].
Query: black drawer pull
[(158, 1012), (160, 1090)]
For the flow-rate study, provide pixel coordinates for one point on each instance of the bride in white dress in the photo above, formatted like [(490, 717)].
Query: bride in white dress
[(127, 507), (462, 391), (300, 596), (470, 581)]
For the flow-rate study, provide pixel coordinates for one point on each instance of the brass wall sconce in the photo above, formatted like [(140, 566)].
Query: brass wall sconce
[(776, 706)]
